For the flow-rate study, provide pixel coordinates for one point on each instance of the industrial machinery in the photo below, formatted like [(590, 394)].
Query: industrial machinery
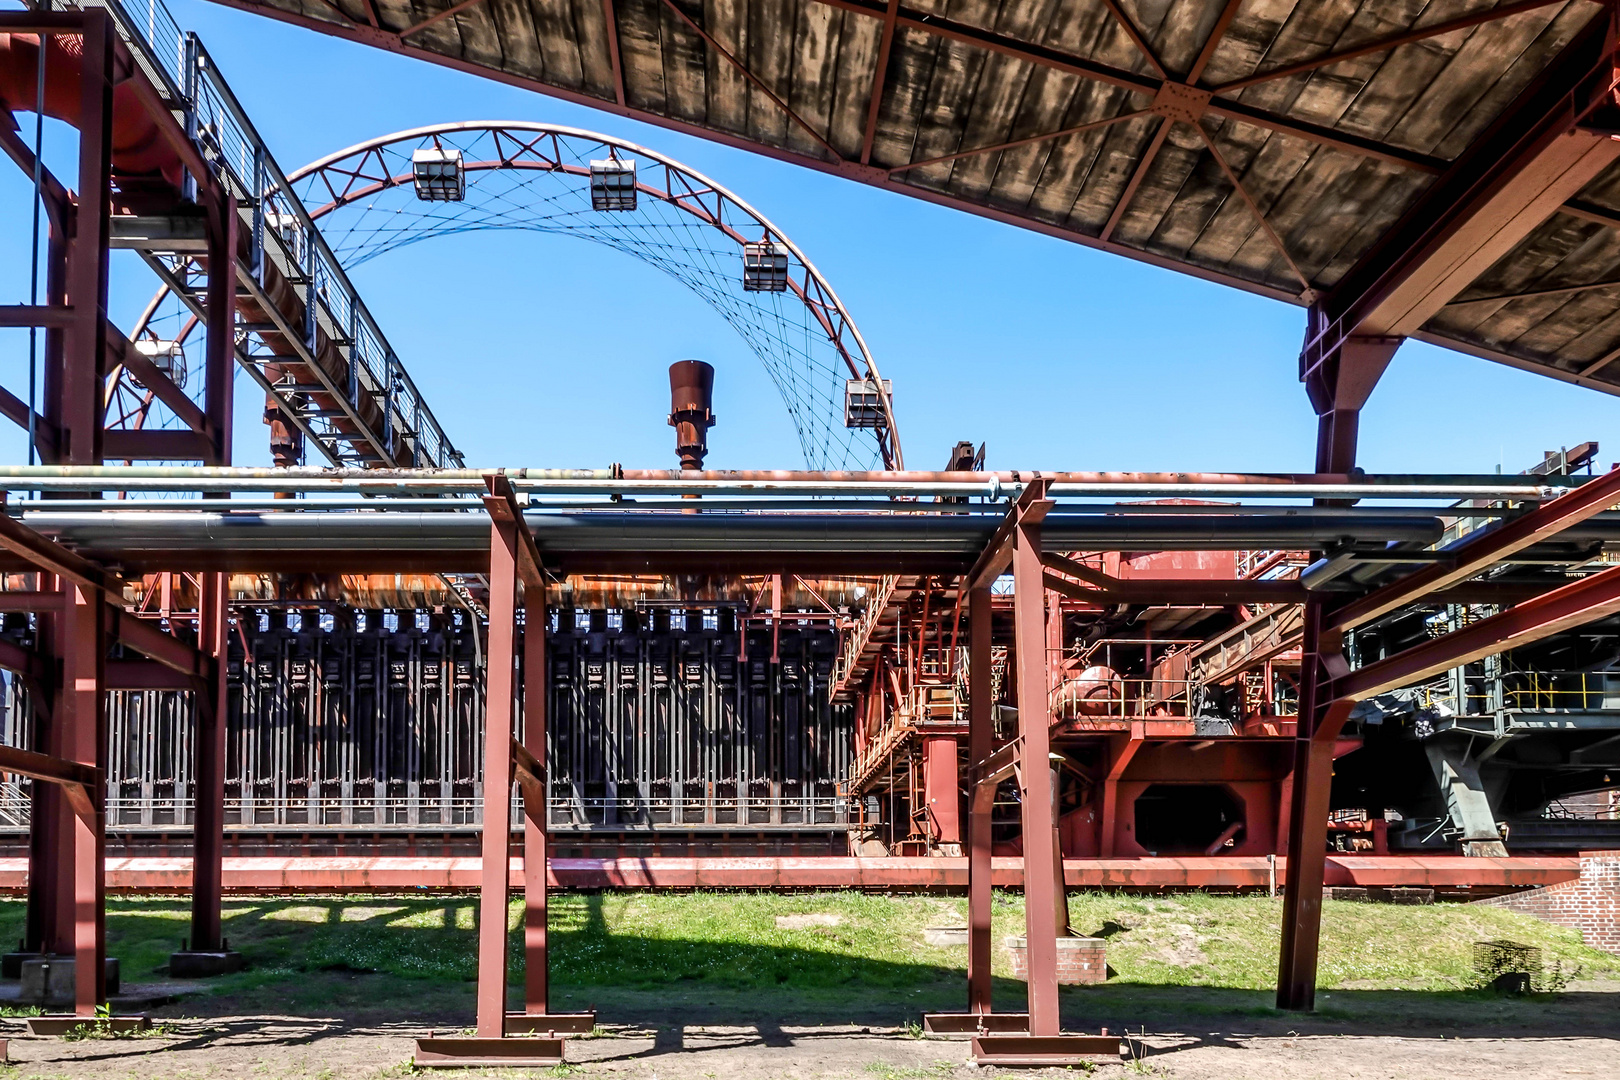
[(863, 678)]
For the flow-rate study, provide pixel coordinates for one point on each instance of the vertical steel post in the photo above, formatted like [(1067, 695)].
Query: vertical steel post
[(1041, 888), (85, 346), (981, 735), (213, 629), (220, 358), (1311, 794), (536, 983), (1338, 389), (208, 775), (498, 698), (81, 711)]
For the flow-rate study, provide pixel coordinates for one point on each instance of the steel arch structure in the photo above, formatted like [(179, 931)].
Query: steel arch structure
[(535, 177)]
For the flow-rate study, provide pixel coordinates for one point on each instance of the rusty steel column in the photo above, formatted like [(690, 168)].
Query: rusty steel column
[(82, 714), (1312, 790), (50, 851), (942, 790), (1041, 889), (1337, 395), (501, 662), (220, 358), (981, 736), (85, 340), (208, 815), (536, 982)]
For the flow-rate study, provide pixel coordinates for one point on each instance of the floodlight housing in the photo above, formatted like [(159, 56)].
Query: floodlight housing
[(613, 184), (765, 267), (168, 357), (863, 403), (439, 174)]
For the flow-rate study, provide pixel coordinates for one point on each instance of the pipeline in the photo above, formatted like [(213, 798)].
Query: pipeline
[(991, 485), (138, 146)]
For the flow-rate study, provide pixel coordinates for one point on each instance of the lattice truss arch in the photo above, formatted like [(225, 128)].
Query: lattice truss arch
[(535, 177)]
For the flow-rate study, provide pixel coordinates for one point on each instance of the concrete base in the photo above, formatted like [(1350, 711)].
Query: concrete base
[(11, 964), (204, 965), (48, 981), (68, 1024), (474, 1053)]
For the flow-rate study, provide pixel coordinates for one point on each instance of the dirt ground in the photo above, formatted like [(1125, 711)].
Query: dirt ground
[(1219, 1035)]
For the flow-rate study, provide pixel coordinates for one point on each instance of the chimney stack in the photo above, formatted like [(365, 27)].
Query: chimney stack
[(691, 395)]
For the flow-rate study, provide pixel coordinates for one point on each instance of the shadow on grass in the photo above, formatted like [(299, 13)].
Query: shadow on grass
[(402, 962)]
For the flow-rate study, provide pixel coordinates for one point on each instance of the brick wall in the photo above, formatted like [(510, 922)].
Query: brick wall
[(1590, 903), (1079, 960)]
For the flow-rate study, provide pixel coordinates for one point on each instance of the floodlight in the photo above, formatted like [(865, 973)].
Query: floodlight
[(765, 267), (439, 174), (863, 403), (168, 357), (613, 184)]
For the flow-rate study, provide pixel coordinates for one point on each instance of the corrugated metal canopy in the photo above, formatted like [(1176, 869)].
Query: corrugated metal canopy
[(1270, 144)]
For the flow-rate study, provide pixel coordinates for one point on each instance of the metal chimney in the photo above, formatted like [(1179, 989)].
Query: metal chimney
[(691, 393)]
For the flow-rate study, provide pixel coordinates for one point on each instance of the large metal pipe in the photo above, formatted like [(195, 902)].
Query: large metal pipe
[(173, 538), (982, 485), (1480, 484)]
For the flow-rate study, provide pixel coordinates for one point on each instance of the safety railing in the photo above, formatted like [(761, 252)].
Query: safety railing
[(282, 233), (858, 635)]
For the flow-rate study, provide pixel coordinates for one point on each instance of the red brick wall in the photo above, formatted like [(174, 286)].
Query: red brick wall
[(1590, 903), (1079, 960)]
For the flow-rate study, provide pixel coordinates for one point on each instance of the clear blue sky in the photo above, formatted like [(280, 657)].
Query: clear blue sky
[(546, 351)]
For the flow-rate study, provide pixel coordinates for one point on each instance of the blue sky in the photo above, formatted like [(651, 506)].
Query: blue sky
[(546, 351)]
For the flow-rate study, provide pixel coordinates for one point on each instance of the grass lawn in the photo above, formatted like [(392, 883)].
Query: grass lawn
[(858, 958)]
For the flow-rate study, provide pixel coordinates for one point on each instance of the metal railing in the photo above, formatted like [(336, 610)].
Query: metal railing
[(282, 234)]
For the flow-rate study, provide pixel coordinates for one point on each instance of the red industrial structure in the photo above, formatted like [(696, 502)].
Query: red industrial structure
[(1182, 664)]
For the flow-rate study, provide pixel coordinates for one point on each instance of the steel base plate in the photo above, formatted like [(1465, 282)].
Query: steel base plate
[(1039, 1050), (474, 1053), (67, 1023), (973, 1023), (576, 1023)]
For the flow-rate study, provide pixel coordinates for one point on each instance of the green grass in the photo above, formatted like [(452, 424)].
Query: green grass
[(318, 955)]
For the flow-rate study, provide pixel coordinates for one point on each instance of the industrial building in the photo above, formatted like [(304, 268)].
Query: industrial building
[(851, 675)]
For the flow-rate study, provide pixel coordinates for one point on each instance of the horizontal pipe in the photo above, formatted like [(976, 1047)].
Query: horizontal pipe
[(993, 486), (383, 486), (961, 536)]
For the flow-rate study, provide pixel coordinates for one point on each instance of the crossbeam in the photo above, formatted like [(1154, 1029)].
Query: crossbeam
[(1030, 508), (76, 779), (1485, 549)]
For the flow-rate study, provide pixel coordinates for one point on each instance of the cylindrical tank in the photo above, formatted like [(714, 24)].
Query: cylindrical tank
[(1096, 691), (691, 397)]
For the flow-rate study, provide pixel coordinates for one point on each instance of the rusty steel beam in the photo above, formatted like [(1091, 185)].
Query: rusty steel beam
[(499, 697), (536, 965), (880, 73), (981, 736), (146, 638), (47, 555), (1485, 549), (1511, 179), (1577, 604), (1042, 887), (1031, 507), (502, 504), (1384, 44), (610, 16), (208, 768), (77, 779)]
